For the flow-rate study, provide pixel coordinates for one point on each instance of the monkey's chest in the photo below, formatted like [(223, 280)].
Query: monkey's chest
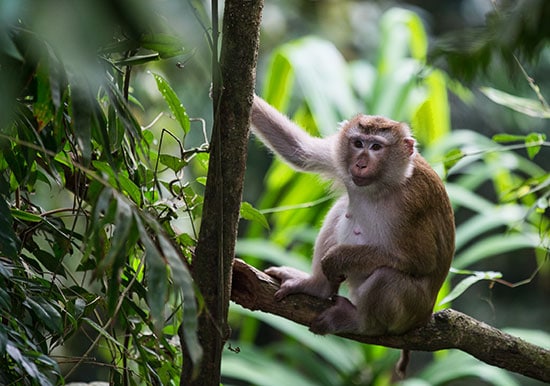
[(360, 229)]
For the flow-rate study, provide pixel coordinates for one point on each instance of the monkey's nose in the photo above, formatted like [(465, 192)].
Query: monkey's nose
[(361, 164)]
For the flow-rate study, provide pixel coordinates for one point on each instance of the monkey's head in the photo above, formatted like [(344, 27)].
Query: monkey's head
[(375, 152)]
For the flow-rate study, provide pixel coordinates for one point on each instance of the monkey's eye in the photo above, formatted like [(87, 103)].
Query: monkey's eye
[(375, 147), (358, 144)]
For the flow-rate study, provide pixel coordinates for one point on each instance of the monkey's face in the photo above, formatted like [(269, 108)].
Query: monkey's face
[(375, 150), (366, 156)]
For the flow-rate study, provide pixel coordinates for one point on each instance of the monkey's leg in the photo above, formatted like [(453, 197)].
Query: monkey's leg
[(343, 260), (391, 302), (341, 317)]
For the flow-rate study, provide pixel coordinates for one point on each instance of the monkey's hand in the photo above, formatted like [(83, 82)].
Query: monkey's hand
[(332, 265), (294, 281)]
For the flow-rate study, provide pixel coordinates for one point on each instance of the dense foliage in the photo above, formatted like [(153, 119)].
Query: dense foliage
[(88, 204)]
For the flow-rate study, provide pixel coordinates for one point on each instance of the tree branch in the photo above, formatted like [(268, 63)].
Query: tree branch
[(447, 329)]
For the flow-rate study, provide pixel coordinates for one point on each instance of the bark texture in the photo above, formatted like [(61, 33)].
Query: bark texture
[(447, 329), (233, 91)]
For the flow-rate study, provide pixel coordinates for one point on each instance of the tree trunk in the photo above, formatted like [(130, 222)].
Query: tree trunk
[(233, 88)]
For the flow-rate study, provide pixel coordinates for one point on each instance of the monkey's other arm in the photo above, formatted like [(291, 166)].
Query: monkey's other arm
[(293, 144)]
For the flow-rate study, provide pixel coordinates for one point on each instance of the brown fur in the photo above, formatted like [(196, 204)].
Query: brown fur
[(391, 236)]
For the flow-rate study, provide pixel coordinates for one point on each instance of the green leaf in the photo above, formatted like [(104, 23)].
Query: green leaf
[(138, 59), (166, 45), (525, 106), (46, 313), (104, 333), (505, 138), (183, 281), (82, 115), (8, 239), (174, 163), (250, 213), (123, 222), (452, 158), (468, 282), (22, 360), (25, 216), (157, 283), (173, 102), (534, 142)]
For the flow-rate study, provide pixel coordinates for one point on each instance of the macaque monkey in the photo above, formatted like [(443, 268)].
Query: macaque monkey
[(391, 236)]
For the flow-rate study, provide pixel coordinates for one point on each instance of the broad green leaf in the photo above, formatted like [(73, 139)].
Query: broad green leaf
[(322, 74), (128, 187), (525, 106), (268, 251), (486, 221), (279, 81), (432, 120), (171, 98), (248, 212)]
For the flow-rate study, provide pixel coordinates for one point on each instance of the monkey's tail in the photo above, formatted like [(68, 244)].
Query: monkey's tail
[(401, 366)]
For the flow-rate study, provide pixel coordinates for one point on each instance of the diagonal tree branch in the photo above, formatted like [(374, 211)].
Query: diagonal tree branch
[(447, 329)]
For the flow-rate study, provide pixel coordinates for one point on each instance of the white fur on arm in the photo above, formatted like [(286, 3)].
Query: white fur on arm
[(293, 144)]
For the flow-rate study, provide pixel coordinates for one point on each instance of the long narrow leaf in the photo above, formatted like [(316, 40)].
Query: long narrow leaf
[(175, 105)]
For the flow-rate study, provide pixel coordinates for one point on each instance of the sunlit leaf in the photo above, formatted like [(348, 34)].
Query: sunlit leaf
[(534, 142), (505, 138), (526, 106), (248, 212), (451, 158), (468, 282)]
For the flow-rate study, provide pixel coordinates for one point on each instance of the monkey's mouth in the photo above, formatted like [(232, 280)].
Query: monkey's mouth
[(361, 181)]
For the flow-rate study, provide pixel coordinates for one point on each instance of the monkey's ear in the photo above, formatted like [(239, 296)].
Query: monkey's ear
[(409, 145)]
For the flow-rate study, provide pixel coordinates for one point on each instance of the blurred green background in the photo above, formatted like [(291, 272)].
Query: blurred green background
[(321, 62)]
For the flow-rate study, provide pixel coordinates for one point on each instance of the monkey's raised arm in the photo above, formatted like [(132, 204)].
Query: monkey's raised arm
[(293, 144)]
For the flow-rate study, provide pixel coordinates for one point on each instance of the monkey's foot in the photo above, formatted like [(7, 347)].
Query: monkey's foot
[(341, 317)]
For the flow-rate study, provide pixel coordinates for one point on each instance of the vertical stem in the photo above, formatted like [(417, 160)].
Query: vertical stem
[(233, 78)]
